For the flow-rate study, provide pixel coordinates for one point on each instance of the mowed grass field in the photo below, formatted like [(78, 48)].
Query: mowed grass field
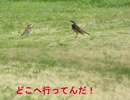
[(52, 56)]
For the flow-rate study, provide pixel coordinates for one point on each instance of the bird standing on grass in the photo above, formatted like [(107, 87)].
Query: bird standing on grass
[(27, 30), (77, 29)]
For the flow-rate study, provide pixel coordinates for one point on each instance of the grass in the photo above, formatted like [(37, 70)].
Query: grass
[(51, 56)]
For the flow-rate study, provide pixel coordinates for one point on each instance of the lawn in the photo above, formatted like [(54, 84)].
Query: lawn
[(52, 57)]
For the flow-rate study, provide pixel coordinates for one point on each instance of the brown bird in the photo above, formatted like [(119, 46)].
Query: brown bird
[(27, 30), (77, 29)]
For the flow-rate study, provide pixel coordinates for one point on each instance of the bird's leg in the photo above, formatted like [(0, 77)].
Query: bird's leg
[(76, 35)]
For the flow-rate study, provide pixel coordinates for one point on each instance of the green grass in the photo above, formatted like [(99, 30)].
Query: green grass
[(51, 56)]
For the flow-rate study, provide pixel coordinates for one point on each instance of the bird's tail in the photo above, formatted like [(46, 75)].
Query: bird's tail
[(22, 34), (86, 32)]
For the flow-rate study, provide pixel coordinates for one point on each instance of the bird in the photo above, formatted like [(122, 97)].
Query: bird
[(77, 29), (27, 30)]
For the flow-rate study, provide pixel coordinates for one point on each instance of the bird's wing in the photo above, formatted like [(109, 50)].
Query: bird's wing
[(78, 29), (81, 30), (25, 31)]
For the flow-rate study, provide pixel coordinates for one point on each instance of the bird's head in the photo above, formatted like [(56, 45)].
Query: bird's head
[(29, 25), (73, 21)]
